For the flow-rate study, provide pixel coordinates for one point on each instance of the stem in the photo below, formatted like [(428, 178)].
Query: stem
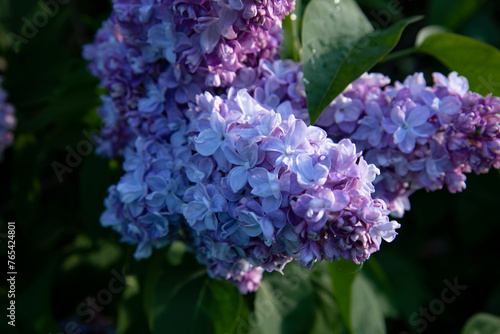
[(398, 54)]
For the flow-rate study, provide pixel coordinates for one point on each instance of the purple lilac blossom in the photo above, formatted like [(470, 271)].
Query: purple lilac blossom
[(217, 150), (421, 137), (153, 56), (254, 189), (145, 207), (297, 193), (7, 121)]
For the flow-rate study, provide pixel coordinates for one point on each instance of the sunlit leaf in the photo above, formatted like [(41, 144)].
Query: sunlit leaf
[(477, 61), (339, 45)]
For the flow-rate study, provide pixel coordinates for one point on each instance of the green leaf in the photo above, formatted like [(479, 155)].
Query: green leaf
[(356, 298), (452, 13), (329, 31), (283, 303), (477, 61), (184, 300), (482, 323), (366, 314), (339, 46), (343, 274), (328, 317), (382, 287), (296, 302)]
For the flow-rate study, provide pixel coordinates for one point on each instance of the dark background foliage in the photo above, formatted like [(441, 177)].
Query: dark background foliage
[(64, 256)]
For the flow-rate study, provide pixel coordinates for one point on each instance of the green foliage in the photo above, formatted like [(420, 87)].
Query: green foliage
[(339, 46), (295, 303), (343, 275), (477, 61), (452, 13), (185, 300)]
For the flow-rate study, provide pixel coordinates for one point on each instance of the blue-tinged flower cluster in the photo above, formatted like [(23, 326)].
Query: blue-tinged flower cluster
[(157, 55), (419, 136), (217, 150), (280, 189), (7, 121), (145, 206)]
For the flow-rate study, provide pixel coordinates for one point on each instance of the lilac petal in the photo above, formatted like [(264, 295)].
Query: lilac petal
[(400, 135), (398, 116), (219, 203), (249, 224), (217, 122), (210, 37), (321, 173), (373, 110), (315, 133), (278, 218), (155, 199), (407, 145), (194, 211), (296, 134), (262, 190), (428, 97), (257, 176), (156, 183), (419, 116), (237, 178), (211, 222), (425, 130), (207, 142), (449, 105), (389, 126), (340, 201), (232, 156), (267, 227), (227, 16), (236, 4), (439, 79), (459, 85), (174, 204), (272, 144), (250, 153), (271, 203), (143, 251), (305, 170)]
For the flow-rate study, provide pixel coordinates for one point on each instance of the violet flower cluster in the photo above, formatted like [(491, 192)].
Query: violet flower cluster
[(217, 150), (154, 56), (7, 121), (421, 137)]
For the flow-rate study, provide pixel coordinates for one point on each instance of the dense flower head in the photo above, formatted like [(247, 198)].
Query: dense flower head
[(150, 54), (419, 136), (7, 121), (216, 146), (256, 188), (145, 205)]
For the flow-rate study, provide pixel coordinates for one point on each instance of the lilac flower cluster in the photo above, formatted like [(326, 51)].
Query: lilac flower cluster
[(154, 56), (255, 189), (279, 188), (217, 152), (7, 121), (419, 136)]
